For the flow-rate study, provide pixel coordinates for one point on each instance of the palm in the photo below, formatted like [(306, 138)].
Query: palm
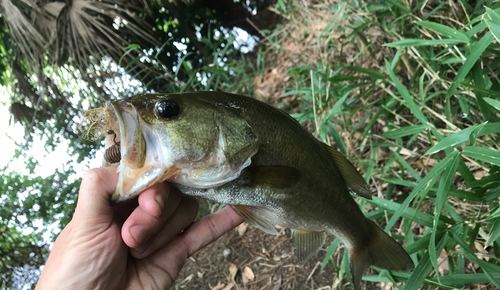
[(101, 247)]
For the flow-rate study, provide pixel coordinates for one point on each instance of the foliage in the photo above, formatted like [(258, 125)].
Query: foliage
[(415, 86), (59, 58), (29, 206), (408, 90)]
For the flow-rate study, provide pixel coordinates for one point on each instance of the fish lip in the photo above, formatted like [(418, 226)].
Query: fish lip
[(142, 163), (129, 129)]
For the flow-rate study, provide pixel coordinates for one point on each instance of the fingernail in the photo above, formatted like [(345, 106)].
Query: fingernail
[(139, 250), (159, 201), (138, 233)]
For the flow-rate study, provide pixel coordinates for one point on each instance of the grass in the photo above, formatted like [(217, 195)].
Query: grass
[(409, 92)]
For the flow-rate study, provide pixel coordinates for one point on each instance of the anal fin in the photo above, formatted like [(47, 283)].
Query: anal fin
[(258, 217), (307, 243)]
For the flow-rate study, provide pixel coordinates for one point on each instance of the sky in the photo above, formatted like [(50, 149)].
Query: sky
[(49, 161), (10, 134)]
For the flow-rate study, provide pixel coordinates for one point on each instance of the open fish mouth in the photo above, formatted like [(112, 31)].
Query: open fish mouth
[(141, 164), (130, 146), (146, 149)]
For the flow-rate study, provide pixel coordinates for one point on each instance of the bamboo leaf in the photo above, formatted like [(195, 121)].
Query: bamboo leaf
[(494, 232), (405, 131), (476, 52), (444, 30), (423, 267), (407, 212), (475, 132), (495, 214), (423, 187), (441, 195), (452, 140), (492, 20), (329, 253), (494, 103), (483, 154), (489, 269), (423, 42), (406, 95)]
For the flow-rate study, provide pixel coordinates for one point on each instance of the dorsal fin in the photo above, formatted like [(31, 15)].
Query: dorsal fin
[(352, 178)]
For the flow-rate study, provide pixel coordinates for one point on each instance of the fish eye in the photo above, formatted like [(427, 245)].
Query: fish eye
[(167, 109)]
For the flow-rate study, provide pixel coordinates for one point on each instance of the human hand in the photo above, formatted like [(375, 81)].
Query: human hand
[(129, 246)]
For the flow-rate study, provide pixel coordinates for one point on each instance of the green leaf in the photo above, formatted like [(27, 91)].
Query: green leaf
[(407, 212), (494, 103), (372, 73), (281, 5), (469, 195), (492, 20), (494, 232), (338, 104), (495, 214), (489, 269), (476, 278), (476, 52), (441, 195), (483, 154), (406, 95), (129, 49), (490, 128), (329, 253), (423, 267), (481, 80), (423, 187), (405, 131), (482, 90), (399, 5), (475, 132), (423, 42), (336, 137), (453, 140), (444, 30)]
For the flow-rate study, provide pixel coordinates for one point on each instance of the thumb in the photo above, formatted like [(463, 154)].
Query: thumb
[(97, 186)]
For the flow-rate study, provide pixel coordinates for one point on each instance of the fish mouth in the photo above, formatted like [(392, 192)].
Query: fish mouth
[(130, 146)]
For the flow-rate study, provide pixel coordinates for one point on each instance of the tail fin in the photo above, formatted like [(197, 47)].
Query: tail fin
[(380, 250)]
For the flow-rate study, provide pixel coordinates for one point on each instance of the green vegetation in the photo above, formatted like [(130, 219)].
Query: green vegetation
[(408, 90)]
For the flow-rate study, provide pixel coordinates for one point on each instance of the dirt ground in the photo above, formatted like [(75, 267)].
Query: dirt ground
[(258, 261)]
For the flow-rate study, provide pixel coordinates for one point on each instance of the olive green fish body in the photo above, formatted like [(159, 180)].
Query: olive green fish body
[(239, 151), (316, 199)]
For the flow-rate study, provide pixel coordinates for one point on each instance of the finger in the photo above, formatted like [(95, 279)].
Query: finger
[(173, 255), (156, 205), (97, 186), (182, 217), (209, 228)]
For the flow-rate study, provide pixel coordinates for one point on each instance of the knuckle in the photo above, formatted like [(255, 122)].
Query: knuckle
[(94, 175)]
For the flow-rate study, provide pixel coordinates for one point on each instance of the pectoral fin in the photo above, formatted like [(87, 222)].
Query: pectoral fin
[(352, 178), (307, 243), (274, 176), (261, 218)]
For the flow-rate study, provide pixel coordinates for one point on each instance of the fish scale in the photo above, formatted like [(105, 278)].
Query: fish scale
[(236, 150)]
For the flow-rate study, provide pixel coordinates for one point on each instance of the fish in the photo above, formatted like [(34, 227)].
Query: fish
[(236, 150)]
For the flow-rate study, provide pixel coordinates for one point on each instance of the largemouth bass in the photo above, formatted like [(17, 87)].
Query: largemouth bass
[(236, 150)]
